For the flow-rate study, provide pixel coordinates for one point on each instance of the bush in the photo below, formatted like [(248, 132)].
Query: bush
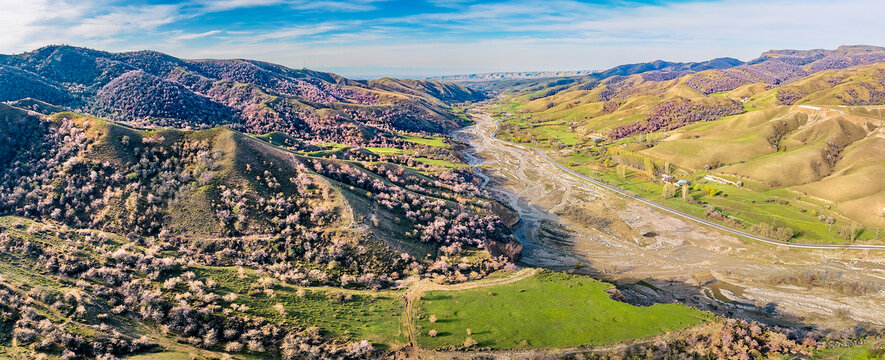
[(469, 342)]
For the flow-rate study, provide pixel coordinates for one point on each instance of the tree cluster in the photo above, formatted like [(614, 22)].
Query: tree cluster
[(729, 339), (678, 112), (138, 282)]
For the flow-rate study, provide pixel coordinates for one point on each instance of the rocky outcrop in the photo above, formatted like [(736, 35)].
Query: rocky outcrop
[(511, 249), (507, 215)]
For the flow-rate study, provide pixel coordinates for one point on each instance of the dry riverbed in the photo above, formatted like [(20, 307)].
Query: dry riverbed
[(570, 224)]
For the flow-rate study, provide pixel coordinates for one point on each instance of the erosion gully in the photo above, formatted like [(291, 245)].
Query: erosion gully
[(655, 257)]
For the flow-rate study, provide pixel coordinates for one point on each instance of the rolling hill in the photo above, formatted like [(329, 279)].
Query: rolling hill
[(540, 84), (802, 127), (92, 173), (154, 207), (153, 89), (126, 179), (162, 243), (167, 203)]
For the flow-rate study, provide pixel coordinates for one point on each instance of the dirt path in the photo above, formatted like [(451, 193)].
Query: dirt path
[(685, 262), (419, 287)]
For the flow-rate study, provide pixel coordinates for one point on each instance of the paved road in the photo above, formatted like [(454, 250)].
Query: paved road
[(684, 215)]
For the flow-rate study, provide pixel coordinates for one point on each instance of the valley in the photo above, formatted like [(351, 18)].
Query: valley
[(683, 261), (781, 149), (153, 207)]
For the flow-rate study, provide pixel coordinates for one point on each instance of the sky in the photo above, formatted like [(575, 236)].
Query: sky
[(371, 38)]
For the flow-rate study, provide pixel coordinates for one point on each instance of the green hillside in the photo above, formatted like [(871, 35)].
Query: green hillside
[(810, 146), (169, 238), (522, 314)]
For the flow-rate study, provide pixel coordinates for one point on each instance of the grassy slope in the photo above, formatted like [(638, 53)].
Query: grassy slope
[(793, 170), (376, 316), (192, 210), (19, 276), (549, 310), (517, 315), (857, 352)]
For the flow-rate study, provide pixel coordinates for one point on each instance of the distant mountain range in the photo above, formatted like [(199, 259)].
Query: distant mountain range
[(658, 65), (772, 67), (155, 89), (509, 75)]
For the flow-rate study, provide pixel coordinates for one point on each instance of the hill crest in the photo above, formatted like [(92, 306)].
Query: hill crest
[(149, 88)]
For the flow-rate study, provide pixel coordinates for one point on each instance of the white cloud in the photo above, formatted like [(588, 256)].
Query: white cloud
[(449, 3), (590, 36), (349, 6), (125, 20), (191, 36), (328, 5), (515, 35), (222, 5), (289, 33), (26, 23)]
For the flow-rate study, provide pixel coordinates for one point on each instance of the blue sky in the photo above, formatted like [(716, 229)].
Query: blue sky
[(433, 37)]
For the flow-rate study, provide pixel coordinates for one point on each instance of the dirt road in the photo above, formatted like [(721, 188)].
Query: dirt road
[(569, 223), (419, 287)]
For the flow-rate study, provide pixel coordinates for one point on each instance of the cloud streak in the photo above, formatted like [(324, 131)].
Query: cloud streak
[(444, 36)]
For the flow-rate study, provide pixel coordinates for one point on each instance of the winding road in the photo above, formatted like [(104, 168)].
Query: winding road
[(572, 222), (682, 214)]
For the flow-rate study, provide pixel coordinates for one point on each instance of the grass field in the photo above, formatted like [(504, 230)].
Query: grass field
[(549, 310), (858, 352), (388, 151), (749, 205), (776, 206), (395, 151), (376, 316), (461, 113)]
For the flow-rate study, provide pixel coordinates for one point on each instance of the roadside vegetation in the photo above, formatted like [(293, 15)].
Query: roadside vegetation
[(779, 146)]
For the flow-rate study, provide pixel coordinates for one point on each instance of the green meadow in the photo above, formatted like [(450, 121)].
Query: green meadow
[(549, 310)]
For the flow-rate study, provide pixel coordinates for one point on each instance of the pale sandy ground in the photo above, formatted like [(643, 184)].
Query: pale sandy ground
[(686, 262)]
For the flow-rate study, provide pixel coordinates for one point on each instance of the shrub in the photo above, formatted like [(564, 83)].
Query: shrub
[(469, 342), (233, 346)]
